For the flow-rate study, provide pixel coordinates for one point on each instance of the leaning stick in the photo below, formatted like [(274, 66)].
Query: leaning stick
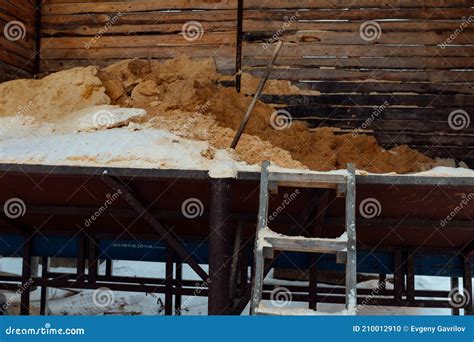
[(261, 85)]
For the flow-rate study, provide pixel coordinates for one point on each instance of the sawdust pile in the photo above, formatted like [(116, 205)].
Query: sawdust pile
[(54, 96), (184, 96)]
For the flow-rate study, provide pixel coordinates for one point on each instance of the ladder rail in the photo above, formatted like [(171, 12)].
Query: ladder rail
[(259, 262), (266, 240), (351, 263)]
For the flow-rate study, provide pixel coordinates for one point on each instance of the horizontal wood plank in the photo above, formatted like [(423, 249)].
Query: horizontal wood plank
[(323, 52)]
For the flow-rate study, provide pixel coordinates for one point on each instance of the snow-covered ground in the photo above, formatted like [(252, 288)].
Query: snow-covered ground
[(104, 301)]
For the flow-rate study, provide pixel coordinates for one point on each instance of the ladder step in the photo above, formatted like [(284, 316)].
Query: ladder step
[(307, 178), (264, 310), (303, 244)]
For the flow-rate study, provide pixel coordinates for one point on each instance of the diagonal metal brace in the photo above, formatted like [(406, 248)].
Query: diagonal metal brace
[(157, 226)]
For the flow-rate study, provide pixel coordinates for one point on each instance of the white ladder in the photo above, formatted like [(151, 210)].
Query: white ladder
[(267, 241)]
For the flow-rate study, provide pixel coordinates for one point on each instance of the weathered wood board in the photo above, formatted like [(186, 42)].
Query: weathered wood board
[(412, 59)]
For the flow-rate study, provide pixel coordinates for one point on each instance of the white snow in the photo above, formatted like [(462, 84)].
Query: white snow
[(70, 302), (108, 136), (131, 146), (444, 171), (105, 117)]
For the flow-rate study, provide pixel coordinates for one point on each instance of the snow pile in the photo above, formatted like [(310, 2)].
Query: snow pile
[(131, 146), (106, 117)]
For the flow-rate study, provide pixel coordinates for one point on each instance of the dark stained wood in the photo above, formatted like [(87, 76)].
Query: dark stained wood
[(17, 56), (422, 81)]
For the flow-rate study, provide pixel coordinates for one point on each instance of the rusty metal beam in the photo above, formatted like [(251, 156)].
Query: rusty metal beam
[(220, 252), (157, 226)]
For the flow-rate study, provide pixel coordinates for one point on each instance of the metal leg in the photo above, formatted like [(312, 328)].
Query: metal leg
[(44, 289), (108, 267), (25, 279), (313, 284), (467, 284), (410, 277), (93, 261), (244, 272), (454, 287), (235, 260), (219, 249), (178, 297), (81, 259), (398, 277), (169, 283)]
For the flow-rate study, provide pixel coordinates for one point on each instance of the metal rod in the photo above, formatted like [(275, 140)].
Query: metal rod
[(81, 258), (247, 294), (219, 248), (238, 55), (235, 260), (108, 267), (157, 227), (455, 287), (467, 284), (179, 285), (313, 284), (410, 277), (398, 277), (44, 289), (261, 85), (93, 261), (244, 271), (169, 282), (25, 281)]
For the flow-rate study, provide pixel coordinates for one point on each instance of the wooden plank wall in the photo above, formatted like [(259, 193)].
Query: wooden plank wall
[(405, 69), (18, 21), (416, 81)]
